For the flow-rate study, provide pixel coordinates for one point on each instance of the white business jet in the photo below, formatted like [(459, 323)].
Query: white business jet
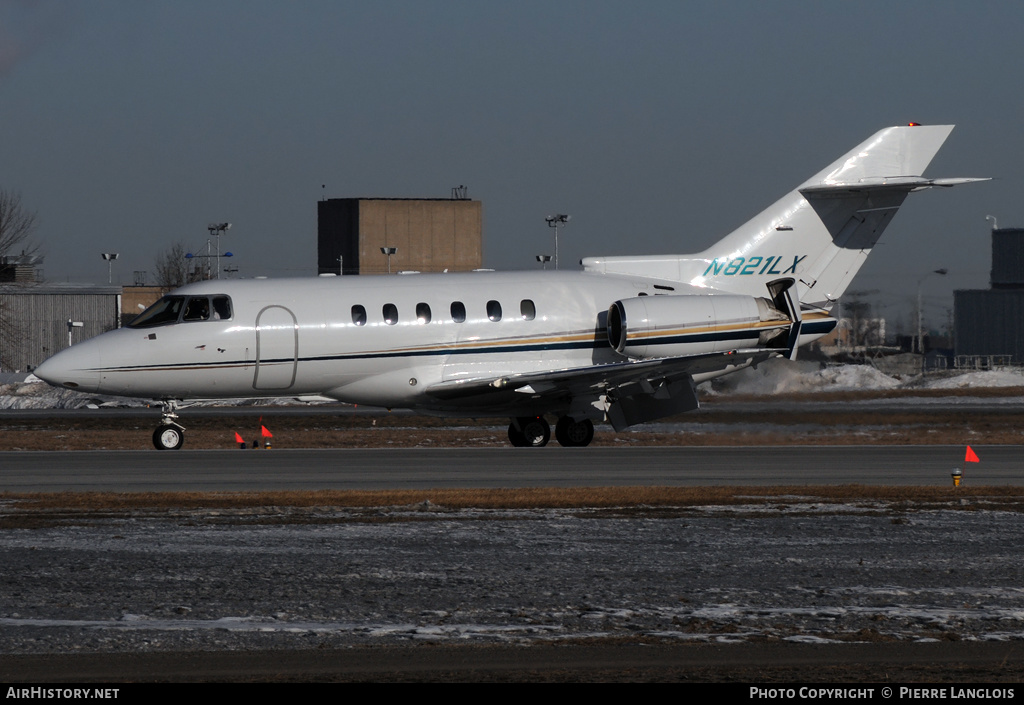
[(623, 341)]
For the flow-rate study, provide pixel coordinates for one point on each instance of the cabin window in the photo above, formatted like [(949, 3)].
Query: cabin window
[(390, 314), (359, 315), (422, 313), (221, 308), (458, 312), (494, 310), (163, 312), (527, 310)]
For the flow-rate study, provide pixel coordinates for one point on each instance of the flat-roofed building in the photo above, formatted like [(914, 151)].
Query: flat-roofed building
[(34, 320), (429, 235), (989, 323)]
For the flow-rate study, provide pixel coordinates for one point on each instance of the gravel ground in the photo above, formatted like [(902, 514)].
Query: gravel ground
[(286, 578)]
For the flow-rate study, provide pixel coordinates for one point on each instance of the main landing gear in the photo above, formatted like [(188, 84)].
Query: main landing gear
[(574, 434), (169, 435), (534, 432)]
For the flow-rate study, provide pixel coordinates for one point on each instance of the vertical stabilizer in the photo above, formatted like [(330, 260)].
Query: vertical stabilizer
[(819, 234)]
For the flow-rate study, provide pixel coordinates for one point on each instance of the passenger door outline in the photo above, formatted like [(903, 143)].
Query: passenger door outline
[(277, 344)]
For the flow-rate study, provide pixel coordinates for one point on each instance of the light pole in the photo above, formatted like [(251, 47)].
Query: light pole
[(216, 230), (208, 257), (920, 317), (388, 251), (544, 259), (553, 222), (110, 257)]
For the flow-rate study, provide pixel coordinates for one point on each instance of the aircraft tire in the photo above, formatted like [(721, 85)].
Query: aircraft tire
[(574, 434), (168, 437), (515, 436), (536, 431)]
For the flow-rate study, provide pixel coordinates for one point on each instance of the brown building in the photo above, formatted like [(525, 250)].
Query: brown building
[(430, 235), (136, 299)]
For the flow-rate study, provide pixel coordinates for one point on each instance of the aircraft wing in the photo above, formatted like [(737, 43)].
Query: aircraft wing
[(630, 392)]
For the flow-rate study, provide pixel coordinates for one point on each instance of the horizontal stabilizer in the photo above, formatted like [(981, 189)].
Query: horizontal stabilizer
[(895, 183)]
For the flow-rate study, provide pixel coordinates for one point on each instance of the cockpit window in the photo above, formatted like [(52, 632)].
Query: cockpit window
[(170, 309), (197, 309), (221, 308), (164, 311)]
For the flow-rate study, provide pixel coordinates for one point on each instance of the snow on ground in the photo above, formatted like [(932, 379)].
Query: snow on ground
[(785, 377), (144, 583), (987, 378)]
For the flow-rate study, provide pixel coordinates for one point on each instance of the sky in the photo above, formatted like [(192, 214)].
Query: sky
[(658, 126)]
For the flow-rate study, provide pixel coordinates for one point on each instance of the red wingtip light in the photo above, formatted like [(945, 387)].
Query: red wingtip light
[(913, 124)]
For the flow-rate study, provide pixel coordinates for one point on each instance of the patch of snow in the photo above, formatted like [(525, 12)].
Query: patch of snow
[(780, 376), (983, 378)]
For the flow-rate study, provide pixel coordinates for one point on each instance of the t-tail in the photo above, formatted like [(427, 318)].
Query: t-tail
[(819, 234)]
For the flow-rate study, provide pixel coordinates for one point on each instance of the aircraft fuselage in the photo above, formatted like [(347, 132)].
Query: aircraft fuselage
[(374, 340)]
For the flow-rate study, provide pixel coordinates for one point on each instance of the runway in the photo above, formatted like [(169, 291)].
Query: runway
[(417, 468)]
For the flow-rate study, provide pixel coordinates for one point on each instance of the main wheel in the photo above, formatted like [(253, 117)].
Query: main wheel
[(515, 436), (536, 431), (167, 437), (574, 434)]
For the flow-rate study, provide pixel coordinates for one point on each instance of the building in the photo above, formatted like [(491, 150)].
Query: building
[(20, 269), (136, 299), (989, 323), (38, 321), (429, 235)]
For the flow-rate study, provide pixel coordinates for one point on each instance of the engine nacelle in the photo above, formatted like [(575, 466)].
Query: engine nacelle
[(666, 326)]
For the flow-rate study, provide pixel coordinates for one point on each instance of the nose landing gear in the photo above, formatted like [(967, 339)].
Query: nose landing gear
[(169, 435)]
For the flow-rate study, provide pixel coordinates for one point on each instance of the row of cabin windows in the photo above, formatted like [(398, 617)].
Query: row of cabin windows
[(527, 312)]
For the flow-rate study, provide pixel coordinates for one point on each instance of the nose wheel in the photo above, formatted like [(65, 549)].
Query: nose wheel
[(169, 435)]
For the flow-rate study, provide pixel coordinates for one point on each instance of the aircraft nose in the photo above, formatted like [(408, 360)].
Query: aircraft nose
[(75, 368)]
